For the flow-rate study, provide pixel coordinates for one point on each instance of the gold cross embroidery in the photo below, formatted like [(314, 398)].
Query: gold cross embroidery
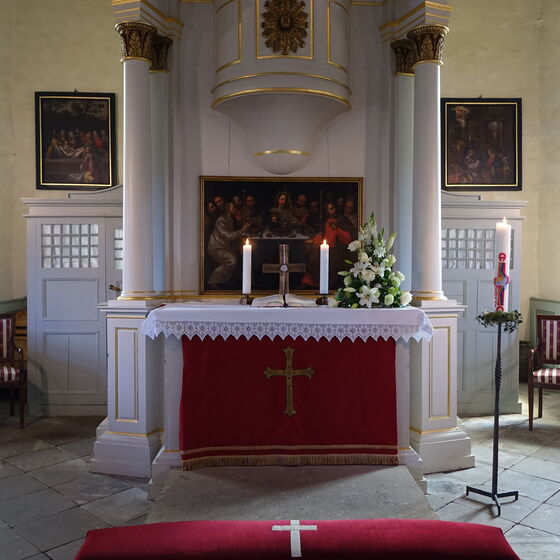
[(289, 374)]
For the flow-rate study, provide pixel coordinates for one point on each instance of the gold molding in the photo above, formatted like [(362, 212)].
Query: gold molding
[(157, 11), (404, 74), (434, 431), (113, 433), (404, 17), (135, 419), (160, 51), (321, 93), (289, 152), (239, 35), (428, 42), (299, 74), (137, 40), (125, 58), (431, 361), (258, 37), (404, 57), (329, 53)]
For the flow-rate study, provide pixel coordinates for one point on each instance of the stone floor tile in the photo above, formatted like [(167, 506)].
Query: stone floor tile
[(14, 547), (473, 476), (136, 521), (437, 501), (484, 455), (22, 445), (484, 515), (8, 470), (539, 467), (66, 551), (91, 487), (18, 485), (527, 485), (60, 528), (33, 506), (546, 518), (555, 500), (121, 507), (135, 482), (550, 451), (61, 473), (80, 447), (532, 544), (10, 433), (39, 557), (3, 525), (512, 510), (36, 459)]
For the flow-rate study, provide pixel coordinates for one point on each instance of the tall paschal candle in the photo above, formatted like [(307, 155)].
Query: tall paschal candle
[(503, 255)]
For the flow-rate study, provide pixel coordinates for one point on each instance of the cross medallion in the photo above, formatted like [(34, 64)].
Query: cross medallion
[(283, 268), (289, 374)]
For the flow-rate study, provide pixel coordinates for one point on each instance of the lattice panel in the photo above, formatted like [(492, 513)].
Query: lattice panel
[(118, 245), (469, 248), (70, 245)]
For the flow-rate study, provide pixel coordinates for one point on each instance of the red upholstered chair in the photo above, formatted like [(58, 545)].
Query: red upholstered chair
[(544, 372), (12, 366)]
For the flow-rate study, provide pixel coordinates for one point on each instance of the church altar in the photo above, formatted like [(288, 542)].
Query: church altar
[(285, 386)]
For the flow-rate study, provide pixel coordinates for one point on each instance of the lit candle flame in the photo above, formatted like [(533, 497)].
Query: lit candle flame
[(324, 241), (247, 242), (504, 221)]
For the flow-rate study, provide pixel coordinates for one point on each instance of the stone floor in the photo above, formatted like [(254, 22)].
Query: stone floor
[(49, 499)]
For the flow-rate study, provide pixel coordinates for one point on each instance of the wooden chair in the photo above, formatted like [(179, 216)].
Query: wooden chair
[(544, 373), (13, 374)]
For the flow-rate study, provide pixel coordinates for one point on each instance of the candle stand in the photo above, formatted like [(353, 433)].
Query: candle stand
[(323, 299), (510, 321), (246, 299)]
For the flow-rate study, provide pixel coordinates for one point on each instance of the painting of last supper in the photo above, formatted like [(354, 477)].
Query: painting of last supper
[(300, 212)]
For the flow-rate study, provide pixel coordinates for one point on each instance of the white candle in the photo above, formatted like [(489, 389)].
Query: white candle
[(246, 286), (324, 277), (502, 252)]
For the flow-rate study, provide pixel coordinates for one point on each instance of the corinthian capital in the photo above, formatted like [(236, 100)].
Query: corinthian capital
[(404, 56), (428, 43), (137, 40), (159, 53)]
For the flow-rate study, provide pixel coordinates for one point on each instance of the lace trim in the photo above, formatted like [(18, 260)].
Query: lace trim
[(214, 330)]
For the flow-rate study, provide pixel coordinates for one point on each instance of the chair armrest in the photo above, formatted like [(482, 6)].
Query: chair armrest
[(534, 359), (21, 359)]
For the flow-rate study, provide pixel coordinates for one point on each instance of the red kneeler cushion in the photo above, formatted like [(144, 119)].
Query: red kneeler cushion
[(371, 539)]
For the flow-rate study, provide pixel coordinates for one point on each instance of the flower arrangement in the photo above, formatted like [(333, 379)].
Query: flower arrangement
[(371, 281)]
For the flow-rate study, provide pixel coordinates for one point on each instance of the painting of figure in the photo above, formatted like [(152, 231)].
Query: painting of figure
[(299, 212), (75, 140), (481, 144)]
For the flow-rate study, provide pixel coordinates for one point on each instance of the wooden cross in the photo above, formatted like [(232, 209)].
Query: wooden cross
[(289, 373), (283, 268)]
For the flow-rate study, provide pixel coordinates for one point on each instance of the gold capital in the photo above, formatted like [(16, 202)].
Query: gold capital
[(428, 43), (404, 56), (137, 40), (159, 54), (289, 374)]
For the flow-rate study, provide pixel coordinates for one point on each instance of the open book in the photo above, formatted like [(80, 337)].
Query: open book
[(289, 300)]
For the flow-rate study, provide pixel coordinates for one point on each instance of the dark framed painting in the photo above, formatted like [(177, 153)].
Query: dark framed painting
[(481, 144), (75, 140), (269, 211)]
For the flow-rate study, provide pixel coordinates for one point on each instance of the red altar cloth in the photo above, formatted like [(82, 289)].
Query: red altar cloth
[(233, 414), (366, 539)]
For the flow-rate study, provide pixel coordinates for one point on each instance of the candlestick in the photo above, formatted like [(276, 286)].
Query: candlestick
[(503, 250), (324, 276), (246, 284)]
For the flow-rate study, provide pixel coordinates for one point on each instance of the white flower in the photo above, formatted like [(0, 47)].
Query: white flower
[(358, 267), (368, 275), (368, 296), (378, 269), (379, 251), (405, 298), (333, 302), (389, 299), (349, 289), (391, 260), (347, 280), (390, 241), (395, 280), (354, 245), (364, 257), (400, 275)]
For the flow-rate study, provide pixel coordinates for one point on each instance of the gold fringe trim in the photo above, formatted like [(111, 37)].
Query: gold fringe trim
[(288, 460)]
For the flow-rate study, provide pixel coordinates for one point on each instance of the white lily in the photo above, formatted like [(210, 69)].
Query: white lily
[(405, 298)]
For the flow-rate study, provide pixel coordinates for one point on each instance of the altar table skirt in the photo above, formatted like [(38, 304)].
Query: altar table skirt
[(232, 414)]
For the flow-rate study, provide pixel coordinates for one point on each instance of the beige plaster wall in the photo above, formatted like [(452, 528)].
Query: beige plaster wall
[(54, 45), (495, 49)]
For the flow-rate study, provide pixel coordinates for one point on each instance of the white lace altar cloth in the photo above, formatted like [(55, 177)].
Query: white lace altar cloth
[(213, 321)]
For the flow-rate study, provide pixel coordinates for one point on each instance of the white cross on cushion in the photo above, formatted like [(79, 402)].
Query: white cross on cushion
[(295, 541), (547, 375), (8, 373)]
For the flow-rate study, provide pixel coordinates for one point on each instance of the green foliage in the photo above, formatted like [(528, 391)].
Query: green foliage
[(510, 320)]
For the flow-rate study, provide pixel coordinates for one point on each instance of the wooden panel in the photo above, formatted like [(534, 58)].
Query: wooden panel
[(83, 355), (70, 299)]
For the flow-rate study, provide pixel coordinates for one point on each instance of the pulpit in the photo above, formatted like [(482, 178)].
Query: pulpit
[(285, 386)]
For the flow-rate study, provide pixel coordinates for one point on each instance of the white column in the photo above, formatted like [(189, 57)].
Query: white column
[(137, 40), (159, 99), (433, 375), (426, 216), (403, 125)]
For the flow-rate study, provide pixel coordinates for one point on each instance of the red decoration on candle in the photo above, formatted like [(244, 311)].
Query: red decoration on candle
[(500, 283)]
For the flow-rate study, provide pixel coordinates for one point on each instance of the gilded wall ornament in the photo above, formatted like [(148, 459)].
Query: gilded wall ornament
[(404, 56), (428, 42), (160, 50), (284, 25), (137, 40)]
